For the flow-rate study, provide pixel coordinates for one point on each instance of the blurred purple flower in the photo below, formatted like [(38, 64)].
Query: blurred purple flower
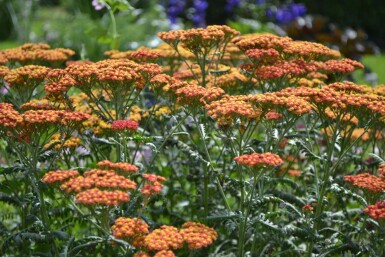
[(260, 2), (199, 17), (298, 10), (98, 5), (174, 8), (230, 4), (286, 14)]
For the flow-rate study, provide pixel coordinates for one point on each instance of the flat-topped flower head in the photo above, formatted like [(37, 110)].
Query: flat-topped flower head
[(262, 41), (59, 176), (122, 167), (96, 196), (58, 143), (227, 109), (376, 211), (9, 117), (367, 181), (153, 184), (164, 238), (128, 228), (197, 235), (125, 125), (262, 56), (259, 160), (106, 179), (29, 76), (30, 53)]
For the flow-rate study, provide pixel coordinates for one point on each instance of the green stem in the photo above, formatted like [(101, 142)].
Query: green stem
[(115, 36)]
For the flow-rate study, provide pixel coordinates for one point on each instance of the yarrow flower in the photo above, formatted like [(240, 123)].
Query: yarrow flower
[(96, 196), (153, 184), (164, 238), (376, 211), (123, 167), (124, 125), (197, 235), (129, 228), (367, 181), (259, 159), (59, 176)]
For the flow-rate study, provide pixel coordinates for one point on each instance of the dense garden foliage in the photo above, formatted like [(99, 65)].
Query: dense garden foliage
[(211, 144)]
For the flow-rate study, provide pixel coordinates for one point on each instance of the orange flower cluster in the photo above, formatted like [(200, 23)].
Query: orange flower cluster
[(94, 187), (35, 53), (142, 55), (123, 167), (116, 76), (195, 95), (3, 71), (43, 117), (262, 41), (227, 109), (341, 66), (9, 117), (164, 238), (153, 184), (277, 57), (100, 179), (272, 115), (60, 86), (199, 41), (262, 56), (227, 80), (259, 159), (38, 104), (347, 98), (292, 103), (52, 177), (26, 76), (58, 143), (124, 125), (126, 228), (367, 181), (96, 196), (376, 211), (197, 235)]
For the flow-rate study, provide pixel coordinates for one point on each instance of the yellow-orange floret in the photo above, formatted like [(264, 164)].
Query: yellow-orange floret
[(197, 235), (52, 177), (129, 228), (118, 166), (259, 159), (164, 238), (96, 196)]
